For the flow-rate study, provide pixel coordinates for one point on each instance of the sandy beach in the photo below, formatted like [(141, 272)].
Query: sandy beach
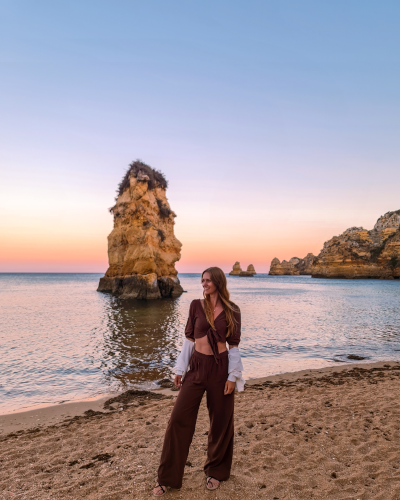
[(318, 434)]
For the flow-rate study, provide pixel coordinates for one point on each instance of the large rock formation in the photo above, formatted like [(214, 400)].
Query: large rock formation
[(142, 248), (236, 269), (358, 253), (293, 267)]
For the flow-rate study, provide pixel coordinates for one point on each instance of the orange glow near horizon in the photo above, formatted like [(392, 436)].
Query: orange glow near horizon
[(272, 142), (197, 255), (73, 238), (28, 253), (88, 253)]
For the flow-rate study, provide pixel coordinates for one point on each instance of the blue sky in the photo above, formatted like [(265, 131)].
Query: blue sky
[(276, 123)]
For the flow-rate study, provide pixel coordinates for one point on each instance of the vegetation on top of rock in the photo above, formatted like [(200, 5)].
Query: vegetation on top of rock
[(156, 178), (397, 212)]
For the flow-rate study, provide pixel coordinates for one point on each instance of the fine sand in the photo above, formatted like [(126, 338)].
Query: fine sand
[(323, 434)]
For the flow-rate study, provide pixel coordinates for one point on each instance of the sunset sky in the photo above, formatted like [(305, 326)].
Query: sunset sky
[(277, 124)]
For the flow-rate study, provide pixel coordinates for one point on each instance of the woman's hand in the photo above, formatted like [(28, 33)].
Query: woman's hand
[(178, 380), (229, 387)]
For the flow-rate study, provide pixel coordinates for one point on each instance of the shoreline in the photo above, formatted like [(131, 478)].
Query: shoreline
[(324, 434), (43, 416)]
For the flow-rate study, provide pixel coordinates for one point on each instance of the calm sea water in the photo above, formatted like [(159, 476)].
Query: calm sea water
[(61, 340)]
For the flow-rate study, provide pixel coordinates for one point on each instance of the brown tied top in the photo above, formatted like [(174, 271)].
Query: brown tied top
[(197, 327)]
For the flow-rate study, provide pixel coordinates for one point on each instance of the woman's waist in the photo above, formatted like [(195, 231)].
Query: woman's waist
[(203, 345), (209, 356)]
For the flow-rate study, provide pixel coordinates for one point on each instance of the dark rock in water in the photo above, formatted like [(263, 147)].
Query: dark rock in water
[(169, 287), (166, 383), (141, 287), (354, 356)]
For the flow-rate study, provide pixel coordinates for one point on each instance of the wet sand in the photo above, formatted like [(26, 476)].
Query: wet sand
[(48, 415), (331, 433)]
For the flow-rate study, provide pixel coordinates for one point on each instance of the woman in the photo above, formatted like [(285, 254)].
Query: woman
[(212, 322)]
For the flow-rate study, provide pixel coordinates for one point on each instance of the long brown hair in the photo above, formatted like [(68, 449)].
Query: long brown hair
[(218, 278)]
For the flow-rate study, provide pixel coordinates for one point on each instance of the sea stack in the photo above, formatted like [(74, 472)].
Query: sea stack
[(361, 254), (250, 271), (142, 248), (293, 267), (236, 269)]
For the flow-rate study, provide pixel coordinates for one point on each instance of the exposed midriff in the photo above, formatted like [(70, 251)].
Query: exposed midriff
[(203, 346)]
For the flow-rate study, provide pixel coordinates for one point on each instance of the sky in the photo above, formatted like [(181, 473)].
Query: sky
[(276, 124)]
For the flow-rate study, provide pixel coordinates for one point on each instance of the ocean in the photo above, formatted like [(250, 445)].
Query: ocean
[(60, 340)]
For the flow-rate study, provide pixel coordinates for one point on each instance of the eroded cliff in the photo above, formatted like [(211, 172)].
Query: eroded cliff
[(142, 247), (359, 253), (293, 267)]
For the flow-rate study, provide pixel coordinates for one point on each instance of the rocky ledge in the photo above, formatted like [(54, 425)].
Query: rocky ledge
[(142, 248), (359, 253), (293, 267)]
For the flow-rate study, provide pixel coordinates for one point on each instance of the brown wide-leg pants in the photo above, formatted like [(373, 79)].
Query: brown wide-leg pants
[(204, 375)]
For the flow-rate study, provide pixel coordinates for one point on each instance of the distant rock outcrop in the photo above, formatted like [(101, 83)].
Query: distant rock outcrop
[(250, 269), (293, 267), (236, 269), (142, 248), (362, 254)]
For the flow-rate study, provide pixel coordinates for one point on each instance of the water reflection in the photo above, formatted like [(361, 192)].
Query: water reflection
[(61, 340), (140, 340)]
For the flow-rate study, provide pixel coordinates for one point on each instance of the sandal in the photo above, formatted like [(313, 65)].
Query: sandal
[(162, 488), (209, 483)]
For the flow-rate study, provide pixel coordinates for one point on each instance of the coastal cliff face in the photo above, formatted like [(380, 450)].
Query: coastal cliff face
[(142, 248), (359, 253), (293, 267)]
